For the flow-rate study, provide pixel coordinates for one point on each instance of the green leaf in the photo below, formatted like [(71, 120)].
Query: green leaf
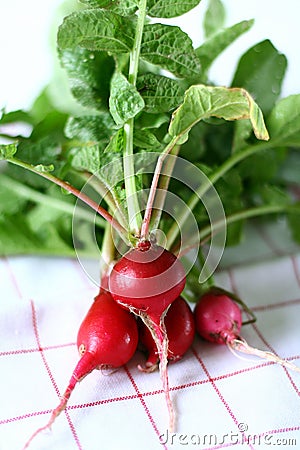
[(124, 102), (261, 71), (44, 169), (151, 121), (160, 94), (294, 223), (273, 195), (262, 167), (90, 129), (116, 143), (170, 48), (7, 151), (45, 152), (214, 18), (284, 122), (170, 8), (242, 132), (97, 29), (122, 7), (16, 116), (87, 158), (52, 124), (202, 102), (18, 238), (89, 136), (10, 201), (146, 140), (89, 75), (215, 45)]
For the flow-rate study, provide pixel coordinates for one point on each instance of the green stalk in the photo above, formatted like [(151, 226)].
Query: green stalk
[(163, 187), (109, 197), (134, 214), (206, 233), (214, 177), (69, 188), (148, 211)]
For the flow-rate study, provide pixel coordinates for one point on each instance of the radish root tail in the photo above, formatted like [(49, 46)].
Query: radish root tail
[(242, 346), (160, 338), (55, 413)]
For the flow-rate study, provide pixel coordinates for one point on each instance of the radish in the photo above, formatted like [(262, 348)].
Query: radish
[(146, 280), (180, 327), (218, 319), (107, 337)]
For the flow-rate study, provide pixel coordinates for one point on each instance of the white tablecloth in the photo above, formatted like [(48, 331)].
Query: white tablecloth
[(222, 401)]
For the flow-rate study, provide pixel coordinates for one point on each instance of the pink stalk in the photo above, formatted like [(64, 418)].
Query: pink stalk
[(80, 195)]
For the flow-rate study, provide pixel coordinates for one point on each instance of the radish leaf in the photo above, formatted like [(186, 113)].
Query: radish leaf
[(202, 102), (89, 75), (170, 48), (96, 29), (284, 121), (7, 151), (214, 46), (122, 7), (124, 102), (170, 8), (261, 71), (214, 18), (160, 94)]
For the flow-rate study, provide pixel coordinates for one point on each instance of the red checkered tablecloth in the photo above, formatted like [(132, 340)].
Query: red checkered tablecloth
[(222, 401)]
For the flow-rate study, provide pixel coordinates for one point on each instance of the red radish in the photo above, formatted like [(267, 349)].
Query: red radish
[(146, 280), (219, 319), (180, 327), (107, 337)]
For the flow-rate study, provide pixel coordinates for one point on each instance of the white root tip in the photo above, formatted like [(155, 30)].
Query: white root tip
[(241, 345), (148, 368)]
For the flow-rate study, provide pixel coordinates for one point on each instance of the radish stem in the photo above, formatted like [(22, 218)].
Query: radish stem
[(56, 203), (163, 187), (68, 187), (153, 188), (134, 214)]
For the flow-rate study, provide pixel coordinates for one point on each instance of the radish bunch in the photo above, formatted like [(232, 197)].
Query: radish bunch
[(145, 282)]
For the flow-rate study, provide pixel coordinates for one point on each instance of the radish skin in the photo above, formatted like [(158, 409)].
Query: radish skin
[(107, 337), (218, 319)]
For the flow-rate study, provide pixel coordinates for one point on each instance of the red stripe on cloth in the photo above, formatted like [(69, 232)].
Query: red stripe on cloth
[(222, 399), (41, 350), (54, 384), (12, 277), (34, 350), (263, 339), (25, 416), (277, 305), (296, 269), (270, 243), (146, 409)]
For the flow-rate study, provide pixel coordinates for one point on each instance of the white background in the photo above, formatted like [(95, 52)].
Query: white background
[(26, 61)]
